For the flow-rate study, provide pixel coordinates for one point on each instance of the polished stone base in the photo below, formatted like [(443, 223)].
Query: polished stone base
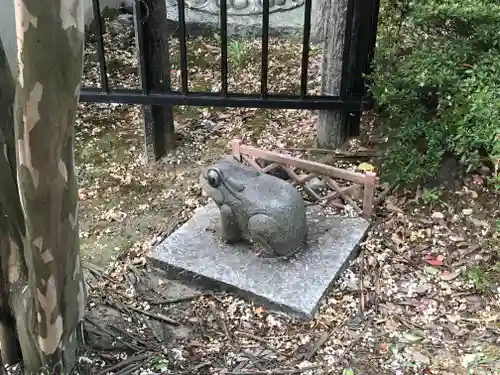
[(196, 256)]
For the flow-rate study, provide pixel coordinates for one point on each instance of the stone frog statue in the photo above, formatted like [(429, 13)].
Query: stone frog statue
[(256, 206)]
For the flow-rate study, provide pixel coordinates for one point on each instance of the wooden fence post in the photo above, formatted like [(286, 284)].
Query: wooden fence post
[(151, 30), (332, 125)]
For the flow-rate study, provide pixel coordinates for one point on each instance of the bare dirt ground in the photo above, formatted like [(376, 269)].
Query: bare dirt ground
[(422, 298)]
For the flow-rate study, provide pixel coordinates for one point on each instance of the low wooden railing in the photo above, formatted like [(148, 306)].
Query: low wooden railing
[(367, 181)]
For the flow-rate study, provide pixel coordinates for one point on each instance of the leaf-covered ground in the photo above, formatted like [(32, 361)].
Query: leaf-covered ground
[(122, 199), (422, 298)]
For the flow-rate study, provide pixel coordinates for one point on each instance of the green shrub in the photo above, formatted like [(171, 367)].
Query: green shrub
[(436, 82)]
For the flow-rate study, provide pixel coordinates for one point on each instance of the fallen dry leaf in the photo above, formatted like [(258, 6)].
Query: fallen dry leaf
[(439, 261), (417, 355), (436, 215), (258, 311), (447, 276), (393, 208), (412, 337), (477, 179), (366, 167), (396, 239), (431, 270)]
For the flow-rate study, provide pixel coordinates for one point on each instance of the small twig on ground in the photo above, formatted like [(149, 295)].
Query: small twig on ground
[(361, 288), (354, 341), (383, 194), (178, 300), (407, 323), (159, 317), (273, 371), (134, 337), (97, 271), (201, 365), (98, 346), (376, 292), (318, 344), (111, 334), (489, 319), (131, 283), (130, 360), (254, 360), (222, 323), (130, 369), (155, 334), (262, 340), (138, 275), (192, 370), (251, 336), (393, 247), (323, 339), (173, 223)]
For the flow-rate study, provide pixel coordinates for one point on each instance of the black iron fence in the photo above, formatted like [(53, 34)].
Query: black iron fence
[(154, 69)]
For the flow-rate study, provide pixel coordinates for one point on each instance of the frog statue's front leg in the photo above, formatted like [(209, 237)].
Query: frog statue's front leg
[(230, 230)]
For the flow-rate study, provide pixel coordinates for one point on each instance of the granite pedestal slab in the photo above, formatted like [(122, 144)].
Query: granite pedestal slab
[(196, 256)]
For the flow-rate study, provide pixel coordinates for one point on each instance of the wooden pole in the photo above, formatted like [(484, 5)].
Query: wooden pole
[(332, 125), (152, 40)]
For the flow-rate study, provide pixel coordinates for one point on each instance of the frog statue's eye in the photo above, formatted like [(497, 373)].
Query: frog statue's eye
[(213, 178)]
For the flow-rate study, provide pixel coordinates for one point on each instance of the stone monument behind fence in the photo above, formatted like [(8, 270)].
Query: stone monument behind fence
[(244, 16)]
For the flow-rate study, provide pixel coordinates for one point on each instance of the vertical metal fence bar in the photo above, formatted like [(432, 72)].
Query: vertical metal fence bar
[(223, 46), (305, 49), (265, 49), (373, 33), (144, 62), (182, 46), (358, 59), (362, 49), (344, 83), (100, 46)]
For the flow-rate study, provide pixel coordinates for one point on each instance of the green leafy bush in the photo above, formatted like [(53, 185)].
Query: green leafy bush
[(436, 82)]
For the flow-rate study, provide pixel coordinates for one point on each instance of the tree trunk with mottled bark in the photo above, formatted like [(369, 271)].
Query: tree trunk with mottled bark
[(332, 125), (41, 278)]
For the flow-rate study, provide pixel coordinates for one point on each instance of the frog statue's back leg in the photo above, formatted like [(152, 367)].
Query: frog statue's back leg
[(266, 231)]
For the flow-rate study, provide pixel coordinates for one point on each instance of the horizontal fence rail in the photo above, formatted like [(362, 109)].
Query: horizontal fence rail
[(352, 98), (214, 99)]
